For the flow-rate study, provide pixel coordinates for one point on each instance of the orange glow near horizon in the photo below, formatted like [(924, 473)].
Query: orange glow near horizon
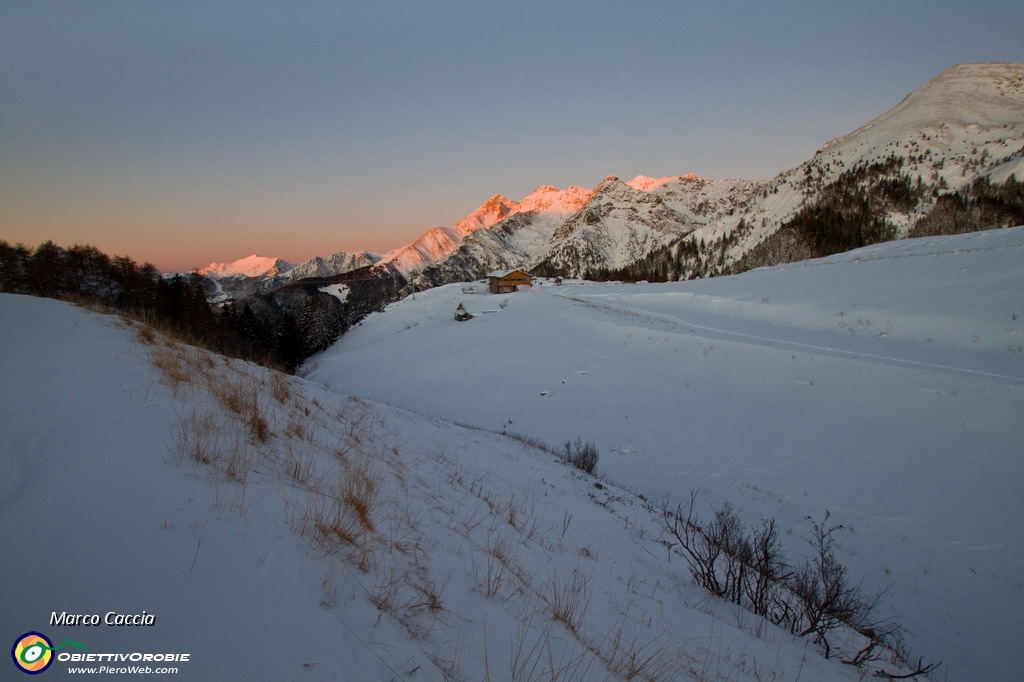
[(172, 248)]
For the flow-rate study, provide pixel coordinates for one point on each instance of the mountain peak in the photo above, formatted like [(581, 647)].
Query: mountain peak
[(250, 266), (490, 212), (648, 184), (549, 199), (985, 94)]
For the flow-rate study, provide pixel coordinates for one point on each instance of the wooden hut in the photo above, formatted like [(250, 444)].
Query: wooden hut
[(506, 281)]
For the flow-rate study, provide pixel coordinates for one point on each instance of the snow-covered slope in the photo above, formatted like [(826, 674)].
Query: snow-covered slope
[(274, 530), (885, 385), (431, 246), (962, 107), (250, 266)]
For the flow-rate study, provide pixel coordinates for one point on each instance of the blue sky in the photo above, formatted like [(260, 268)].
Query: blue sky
[(182, 133)]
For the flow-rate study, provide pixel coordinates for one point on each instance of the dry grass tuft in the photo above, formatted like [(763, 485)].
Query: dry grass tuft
[(359, 492), (569, 597), (197, 435), (280, 387), (174, 371), (145, 334)]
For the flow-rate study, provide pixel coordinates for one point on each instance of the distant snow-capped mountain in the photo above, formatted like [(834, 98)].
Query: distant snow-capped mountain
[(575, 232), (547, 204), (250, 266), (335, 264)]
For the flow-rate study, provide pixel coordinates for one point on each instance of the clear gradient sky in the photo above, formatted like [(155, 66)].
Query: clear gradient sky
[(182, 133)]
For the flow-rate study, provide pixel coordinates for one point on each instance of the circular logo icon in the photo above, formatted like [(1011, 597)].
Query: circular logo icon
[(32, 653)]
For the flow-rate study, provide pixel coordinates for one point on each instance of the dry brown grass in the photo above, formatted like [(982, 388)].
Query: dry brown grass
[(359, 491), (197, 433), (174, 371), (342, 512), (145, 334), (239, 392), (280, 387), (569, 597)]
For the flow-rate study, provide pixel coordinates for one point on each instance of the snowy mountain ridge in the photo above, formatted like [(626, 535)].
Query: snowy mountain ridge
[(964, 124), (335, 264), (250, 266), (546, 203)]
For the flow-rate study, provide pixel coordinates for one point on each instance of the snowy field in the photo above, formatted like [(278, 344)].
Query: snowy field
[(272, 530), (885, 385), (278, 527)]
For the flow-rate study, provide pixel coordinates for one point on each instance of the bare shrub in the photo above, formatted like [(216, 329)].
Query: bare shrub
[(827, 599), (581, 455), (816, 599), (705, 548)]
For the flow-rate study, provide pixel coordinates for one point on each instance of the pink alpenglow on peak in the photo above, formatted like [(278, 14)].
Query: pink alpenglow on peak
[(647, 184), (548, 199), (250, 266), (492, 211)]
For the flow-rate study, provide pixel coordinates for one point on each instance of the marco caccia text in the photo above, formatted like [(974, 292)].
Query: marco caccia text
[(117, 619)]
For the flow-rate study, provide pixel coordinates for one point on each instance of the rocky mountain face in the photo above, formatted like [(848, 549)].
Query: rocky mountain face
[(947, 158), (611, 227), (511, 242), (619, 225), (335, 264)]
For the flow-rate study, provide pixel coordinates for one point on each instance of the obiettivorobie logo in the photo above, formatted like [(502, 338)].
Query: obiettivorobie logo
[(33, 652)]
